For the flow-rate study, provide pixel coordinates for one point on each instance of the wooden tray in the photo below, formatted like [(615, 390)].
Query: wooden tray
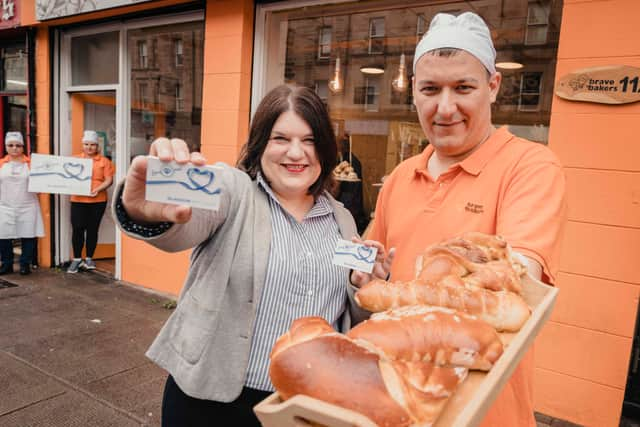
[(467, 406)]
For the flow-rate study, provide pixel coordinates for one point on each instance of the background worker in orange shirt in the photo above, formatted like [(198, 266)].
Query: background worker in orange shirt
[(471, 177), (87, 211)]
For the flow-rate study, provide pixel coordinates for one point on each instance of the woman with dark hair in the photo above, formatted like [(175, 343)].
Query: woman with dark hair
[(263, 259)]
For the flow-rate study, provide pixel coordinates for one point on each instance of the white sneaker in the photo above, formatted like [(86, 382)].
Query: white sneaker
[(74, 266), (89, 264)]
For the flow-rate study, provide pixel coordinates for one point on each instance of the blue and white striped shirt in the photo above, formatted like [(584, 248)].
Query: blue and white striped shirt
[(301, 280)]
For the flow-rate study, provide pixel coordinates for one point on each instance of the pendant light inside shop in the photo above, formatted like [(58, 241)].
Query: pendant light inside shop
[(336, 84), (400, 82)]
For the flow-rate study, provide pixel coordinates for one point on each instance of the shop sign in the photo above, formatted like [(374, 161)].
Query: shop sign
[(51, 9), (611, 84), (9, 14)]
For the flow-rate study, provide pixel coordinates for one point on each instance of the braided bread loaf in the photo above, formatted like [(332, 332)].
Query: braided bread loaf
[(505, 311)]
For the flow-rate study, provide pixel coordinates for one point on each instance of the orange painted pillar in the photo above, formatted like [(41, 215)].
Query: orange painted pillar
[(43, 96), (582, 355)]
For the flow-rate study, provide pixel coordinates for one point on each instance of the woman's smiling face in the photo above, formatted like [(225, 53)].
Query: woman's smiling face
[(290, 162)]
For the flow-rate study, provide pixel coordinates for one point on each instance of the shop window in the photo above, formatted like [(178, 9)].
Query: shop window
[(324, 43), (376, 36), (530, 91), (169, 102), (94, 59), (14, 69), (537, 24), (143, 54), (369, 64)]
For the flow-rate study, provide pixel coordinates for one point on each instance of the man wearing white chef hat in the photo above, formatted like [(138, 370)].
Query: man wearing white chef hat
[(471, 177)]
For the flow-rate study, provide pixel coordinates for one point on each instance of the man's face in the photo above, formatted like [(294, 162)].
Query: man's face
[(453, 97)]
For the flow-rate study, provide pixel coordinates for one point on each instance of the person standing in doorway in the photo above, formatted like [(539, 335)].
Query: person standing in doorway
[(87, 211), (20, 216)]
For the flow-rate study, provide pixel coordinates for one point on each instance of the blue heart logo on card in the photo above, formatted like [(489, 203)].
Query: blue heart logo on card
[(364, 252), (73, 170), (200, 178)]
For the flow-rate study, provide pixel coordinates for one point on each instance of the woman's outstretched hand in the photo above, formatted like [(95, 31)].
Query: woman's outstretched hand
[(381, 268), (133, 197)]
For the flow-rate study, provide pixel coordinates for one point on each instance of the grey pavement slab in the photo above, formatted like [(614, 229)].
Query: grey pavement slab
[(72, 351)]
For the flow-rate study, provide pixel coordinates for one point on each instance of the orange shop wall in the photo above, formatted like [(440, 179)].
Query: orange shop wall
[(582, 355)]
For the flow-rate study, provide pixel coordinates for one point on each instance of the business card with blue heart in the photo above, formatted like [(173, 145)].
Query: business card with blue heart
[(182, 184), (60, 175), (355, 256)]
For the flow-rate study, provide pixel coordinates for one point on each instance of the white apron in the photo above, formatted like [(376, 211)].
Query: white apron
[(20, 214)]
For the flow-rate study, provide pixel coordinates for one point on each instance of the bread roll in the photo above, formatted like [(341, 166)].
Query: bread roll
[(440, 261), (505, 311), (349, 373), (434, 334)]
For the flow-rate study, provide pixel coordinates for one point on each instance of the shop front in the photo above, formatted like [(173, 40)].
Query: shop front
[(197, 70)]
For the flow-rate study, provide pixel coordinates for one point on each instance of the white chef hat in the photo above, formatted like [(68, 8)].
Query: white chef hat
[(467, 31), (90, 136), (15, 137)]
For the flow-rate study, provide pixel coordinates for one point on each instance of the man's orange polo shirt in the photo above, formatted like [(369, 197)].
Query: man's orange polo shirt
[(508, 186), (102, 168)]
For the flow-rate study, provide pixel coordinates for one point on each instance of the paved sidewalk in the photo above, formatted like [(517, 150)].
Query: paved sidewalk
[(72, 352)]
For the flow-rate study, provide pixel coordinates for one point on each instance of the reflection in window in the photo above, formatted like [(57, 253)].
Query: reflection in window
[(143, 55), (179, 52), (537, 24), (324, 43), (376, 36), (168, 101), (144, 95), (14, 69), (530, 89), (179, 97), (322, 90), (421, 27)]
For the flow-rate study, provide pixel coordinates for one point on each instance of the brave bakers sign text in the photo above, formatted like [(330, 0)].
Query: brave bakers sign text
[(611, 84)]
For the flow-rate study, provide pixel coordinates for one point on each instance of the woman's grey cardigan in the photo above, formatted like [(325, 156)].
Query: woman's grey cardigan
[(205, 343)]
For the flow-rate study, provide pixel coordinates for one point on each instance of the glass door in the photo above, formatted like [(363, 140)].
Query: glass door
[(89, 91)]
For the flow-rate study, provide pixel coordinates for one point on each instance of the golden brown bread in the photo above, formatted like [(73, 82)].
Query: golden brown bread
[(302, 329), (433, 334), (505, 311), (440, 261), (356, 375)]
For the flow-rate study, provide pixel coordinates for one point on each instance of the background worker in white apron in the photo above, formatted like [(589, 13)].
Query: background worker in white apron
[(20, 216)]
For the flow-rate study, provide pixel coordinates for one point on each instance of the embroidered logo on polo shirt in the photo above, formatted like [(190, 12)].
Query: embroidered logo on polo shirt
[(474, 208)]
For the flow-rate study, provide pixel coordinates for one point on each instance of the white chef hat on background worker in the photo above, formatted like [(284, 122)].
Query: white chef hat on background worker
[(90, 136), (467, 31), (15, 137)]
